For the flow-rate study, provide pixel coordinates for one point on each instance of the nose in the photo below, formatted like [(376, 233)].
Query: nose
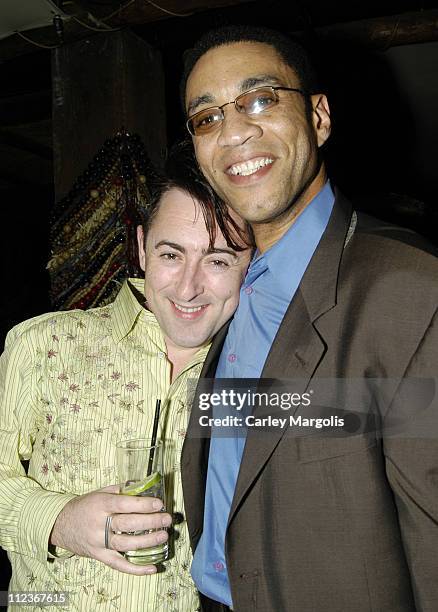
[(190, 283), (237, 128)]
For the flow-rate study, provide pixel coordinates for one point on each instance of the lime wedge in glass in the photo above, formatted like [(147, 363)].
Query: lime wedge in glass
[(139, 487)]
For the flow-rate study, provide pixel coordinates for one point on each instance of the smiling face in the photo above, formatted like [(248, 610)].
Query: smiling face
[(265, 166), (191, 289)]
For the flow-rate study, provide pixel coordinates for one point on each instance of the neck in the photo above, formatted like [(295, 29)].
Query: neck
[(267, 234), (179, 357)]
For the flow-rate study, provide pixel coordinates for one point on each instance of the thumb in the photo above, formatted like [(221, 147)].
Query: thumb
[(115, 488)]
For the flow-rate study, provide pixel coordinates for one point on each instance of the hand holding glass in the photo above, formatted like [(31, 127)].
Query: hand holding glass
[(140, 469)]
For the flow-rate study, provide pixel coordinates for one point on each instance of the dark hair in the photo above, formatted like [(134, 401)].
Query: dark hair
[(182, 172), (290, 51)]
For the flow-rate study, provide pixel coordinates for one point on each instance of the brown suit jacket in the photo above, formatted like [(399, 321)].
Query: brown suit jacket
[(341, 524)]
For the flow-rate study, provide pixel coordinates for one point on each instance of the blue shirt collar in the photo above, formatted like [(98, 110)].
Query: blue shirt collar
[(297, 244)]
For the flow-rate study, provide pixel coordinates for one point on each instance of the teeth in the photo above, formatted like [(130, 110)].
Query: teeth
[(188, 310), (249, 167)]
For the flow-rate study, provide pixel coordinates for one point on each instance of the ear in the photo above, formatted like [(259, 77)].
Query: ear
[(321, 117), (141, 251)]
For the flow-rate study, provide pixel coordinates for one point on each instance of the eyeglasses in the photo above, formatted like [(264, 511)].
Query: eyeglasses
[(252, 102)]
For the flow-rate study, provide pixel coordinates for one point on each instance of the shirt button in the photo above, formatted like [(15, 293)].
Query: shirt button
[(219, 566), (232, 357), (161, 355), (248, 290)]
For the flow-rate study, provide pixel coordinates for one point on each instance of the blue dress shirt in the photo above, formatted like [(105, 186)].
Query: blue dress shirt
[(269, 287)]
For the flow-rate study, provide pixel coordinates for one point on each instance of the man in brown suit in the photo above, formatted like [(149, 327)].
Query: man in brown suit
[(290, 518)]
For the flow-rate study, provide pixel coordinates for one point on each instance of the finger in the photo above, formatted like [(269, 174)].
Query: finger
[(123, 542), (118, 562), (131, 503), (140, 522)]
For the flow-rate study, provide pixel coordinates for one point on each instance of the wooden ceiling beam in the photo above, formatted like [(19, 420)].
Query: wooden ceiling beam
[(378, 32), (141, 11), (384, 32), (87, 19)]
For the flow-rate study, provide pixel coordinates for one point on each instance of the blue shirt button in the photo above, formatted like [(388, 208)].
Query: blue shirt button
[(232, 358), (248, 290), (219, 566)]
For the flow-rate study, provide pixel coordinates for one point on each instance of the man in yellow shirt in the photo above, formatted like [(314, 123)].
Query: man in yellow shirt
[(74, 383)]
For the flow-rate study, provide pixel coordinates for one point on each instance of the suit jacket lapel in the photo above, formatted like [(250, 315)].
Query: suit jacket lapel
[(194, 456), (296, 363), (298, 347)]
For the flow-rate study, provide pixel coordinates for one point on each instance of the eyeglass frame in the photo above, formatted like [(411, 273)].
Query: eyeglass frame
[(235, 102)]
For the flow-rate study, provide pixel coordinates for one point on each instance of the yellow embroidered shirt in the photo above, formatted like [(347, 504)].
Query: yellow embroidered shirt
[(72, 384)]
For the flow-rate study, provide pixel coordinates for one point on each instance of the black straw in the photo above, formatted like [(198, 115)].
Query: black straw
[(154, 436)]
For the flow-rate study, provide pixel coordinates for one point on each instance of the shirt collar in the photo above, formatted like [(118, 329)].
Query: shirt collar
[(306, 229), (129, 309), (128, 306)]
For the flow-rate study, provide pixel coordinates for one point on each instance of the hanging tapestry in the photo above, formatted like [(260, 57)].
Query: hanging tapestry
[(93, 228)]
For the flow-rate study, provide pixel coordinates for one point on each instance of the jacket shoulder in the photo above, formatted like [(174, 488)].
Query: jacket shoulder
[(403, 236), (391, 265)]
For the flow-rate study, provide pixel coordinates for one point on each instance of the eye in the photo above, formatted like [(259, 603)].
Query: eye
[(219, 263), (263, 101), (168, 256), (257, 101), (207, 119)]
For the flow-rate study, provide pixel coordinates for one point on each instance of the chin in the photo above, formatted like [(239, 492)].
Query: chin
[(189, 343)]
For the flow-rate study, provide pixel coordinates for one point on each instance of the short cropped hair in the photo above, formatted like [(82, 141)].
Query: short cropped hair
[(290, 50), (182, 172)]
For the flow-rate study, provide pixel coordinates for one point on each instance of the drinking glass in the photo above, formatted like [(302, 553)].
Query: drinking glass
[(140, 469)]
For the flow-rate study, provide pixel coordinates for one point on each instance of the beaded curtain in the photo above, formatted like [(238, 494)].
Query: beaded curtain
[(93, 228)]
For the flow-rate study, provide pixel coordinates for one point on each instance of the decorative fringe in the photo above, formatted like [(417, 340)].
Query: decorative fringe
[(93, 228)]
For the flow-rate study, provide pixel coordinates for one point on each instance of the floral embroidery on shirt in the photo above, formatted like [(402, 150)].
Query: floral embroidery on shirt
[(88, 394), (125, 404), (132, 386), (103, 597)]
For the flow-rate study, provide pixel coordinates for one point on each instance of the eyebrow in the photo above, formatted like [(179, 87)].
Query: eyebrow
[(205, 99), (181, 249), (219, 251), (172, 245), (245, 85), (256, 81)]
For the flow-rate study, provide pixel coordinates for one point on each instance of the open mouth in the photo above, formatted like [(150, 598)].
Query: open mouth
[(249, 167), (188, 312)]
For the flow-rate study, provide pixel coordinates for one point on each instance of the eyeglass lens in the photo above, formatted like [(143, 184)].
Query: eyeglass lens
[(250, 103)]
